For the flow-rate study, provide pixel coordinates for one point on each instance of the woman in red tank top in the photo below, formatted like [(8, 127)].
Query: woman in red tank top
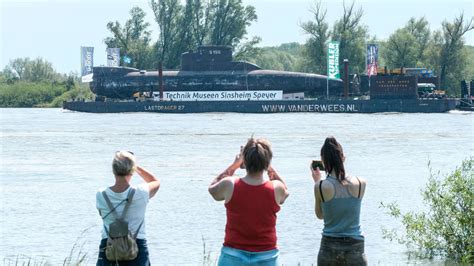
[(251, 205)]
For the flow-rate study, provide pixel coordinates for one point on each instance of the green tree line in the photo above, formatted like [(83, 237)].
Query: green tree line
[(26, 82), (413, 45), (181, 28)]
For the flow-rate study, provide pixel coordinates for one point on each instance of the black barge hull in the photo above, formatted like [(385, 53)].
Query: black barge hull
[(283, 106)]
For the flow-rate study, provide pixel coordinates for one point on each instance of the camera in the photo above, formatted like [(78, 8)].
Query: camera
[(317, 163)]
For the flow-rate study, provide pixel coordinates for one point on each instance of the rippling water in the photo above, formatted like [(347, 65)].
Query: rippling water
[(53, 162)]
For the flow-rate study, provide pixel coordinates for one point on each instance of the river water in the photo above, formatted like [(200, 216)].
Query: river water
[(53, 161)]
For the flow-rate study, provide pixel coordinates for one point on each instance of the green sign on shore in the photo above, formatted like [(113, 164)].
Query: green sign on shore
[(333, 60)]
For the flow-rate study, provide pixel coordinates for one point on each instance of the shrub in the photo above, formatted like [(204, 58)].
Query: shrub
[(42, 94), (446, 229), (26, 94), (78, 92)]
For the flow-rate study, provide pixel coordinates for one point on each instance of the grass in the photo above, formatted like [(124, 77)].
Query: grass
[(206, 255), (25, 260), (76, 256)]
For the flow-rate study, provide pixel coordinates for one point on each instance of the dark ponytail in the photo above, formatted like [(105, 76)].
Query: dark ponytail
[(333, 158)]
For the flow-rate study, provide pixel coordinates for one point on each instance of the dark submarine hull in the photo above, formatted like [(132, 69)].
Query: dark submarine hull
[(123, 83), (275, 106)]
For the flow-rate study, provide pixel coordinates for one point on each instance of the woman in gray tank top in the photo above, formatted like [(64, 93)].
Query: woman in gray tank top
[(338, 202)]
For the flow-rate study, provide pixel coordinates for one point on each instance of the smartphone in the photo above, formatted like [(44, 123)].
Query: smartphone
[(317, 163), (242, 165)]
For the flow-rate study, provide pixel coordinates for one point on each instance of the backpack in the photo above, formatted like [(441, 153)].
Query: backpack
[(121, 243)]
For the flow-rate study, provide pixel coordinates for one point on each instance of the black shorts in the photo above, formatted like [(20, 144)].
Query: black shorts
[(341, 251)]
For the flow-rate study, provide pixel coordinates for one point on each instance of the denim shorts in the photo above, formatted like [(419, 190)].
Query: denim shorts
[(234, 257), (341, 251), (142, 259)]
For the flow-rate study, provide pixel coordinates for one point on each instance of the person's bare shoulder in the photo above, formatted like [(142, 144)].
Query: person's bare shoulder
[(327, 189), (277, 183), (326, 186), (281, 191), (228, 181), (355, 183)]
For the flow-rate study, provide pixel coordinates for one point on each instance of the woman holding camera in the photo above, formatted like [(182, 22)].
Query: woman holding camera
[(338, 202), (122, 199), (251, 205)]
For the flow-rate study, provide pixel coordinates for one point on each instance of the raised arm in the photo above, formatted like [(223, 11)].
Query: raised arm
[(317, 196), (279, 184), (148, 177), (222, 186), (316, 174)]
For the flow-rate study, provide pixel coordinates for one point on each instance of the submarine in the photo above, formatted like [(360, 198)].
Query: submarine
[(210, 69)]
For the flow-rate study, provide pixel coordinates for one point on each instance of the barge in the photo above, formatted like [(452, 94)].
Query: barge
[(210, 81)]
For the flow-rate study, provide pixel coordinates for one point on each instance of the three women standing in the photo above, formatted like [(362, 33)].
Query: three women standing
[(251, 203)]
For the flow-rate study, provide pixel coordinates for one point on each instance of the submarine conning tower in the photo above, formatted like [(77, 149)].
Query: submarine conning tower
[(213, 58)]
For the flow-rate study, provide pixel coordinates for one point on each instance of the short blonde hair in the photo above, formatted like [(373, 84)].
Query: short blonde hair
[(124, 163)]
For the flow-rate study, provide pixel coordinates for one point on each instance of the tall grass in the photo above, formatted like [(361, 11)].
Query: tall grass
[(21, 259), (206, 254), (77, 256)]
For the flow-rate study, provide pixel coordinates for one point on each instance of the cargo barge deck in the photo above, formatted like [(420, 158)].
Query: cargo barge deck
[(274, 106)]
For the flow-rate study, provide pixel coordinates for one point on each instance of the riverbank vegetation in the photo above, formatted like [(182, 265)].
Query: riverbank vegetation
[(34, 83), (446, 229)]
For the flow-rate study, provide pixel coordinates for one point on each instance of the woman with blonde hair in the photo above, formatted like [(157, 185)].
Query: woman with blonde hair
[(251, 203), (338, 202), (128, 203)]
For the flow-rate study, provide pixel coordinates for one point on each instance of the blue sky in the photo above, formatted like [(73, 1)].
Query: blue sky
[(55, 30)]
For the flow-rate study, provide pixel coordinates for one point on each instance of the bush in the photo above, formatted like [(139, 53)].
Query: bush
[(27, 94), (446, 229), (78, 92)]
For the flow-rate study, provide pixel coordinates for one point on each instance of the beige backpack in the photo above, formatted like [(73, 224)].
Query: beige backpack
[(121, 243)]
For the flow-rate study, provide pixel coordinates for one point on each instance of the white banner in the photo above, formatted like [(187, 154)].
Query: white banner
[(220, 95), (113, 57), (87, 78)]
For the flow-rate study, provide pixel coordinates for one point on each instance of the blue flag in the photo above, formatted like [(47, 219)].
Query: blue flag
[(127, 60)]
